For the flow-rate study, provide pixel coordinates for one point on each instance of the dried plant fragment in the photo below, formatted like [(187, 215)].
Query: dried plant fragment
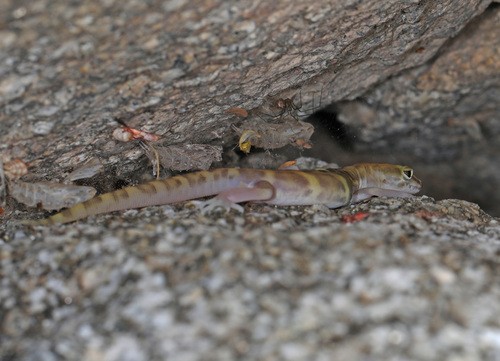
[(262, 134), (50, 195), (3, 184), (174, 157), (42, 127), (353, 218), (122, 135), (87, 170), (239, 112), (278, 108), (302, 143), (308, 163), (15, 169), (245, 141), (10, 170), (153, 157), (189, 156), (263, 160), (126, 134)]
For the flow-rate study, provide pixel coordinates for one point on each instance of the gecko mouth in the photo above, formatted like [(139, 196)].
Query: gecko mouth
[(379, 192), (398, 193)]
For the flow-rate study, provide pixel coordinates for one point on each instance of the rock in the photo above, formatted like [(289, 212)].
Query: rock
[(412, 278)]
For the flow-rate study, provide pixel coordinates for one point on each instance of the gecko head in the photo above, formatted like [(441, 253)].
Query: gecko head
[(390, 179), (398, 178)]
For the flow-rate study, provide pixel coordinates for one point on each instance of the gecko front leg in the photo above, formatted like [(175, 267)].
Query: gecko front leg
[(229, 199)]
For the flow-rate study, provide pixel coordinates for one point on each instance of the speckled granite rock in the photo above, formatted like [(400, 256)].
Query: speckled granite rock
[(415, 279)]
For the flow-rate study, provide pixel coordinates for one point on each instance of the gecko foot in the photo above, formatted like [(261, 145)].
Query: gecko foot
[(211, 205), (228, 199)]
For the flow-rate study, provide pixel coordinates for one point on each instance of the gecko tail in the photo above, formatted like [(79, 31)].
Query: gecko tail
[(172, 190), (35, 222)]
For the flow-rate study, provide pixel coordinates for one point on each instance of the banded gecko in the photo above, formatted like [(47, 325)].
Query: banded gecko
[(333, 188)]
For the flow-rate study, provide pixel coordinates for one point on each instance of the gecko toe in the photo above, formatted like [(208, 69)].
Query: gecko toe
[(213, 204)]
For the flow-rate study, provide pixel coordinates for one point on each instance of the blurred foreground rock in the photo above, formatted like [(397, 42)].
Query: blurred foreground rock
[(415, 279)]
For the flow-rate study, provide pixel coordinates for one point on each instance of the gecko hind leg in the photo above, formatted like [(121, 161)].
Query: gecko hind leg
[(228, 199)]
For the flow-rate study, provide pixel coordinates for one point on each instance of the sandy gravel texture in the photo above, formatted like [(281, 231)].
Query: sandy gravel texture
[(414, 280)]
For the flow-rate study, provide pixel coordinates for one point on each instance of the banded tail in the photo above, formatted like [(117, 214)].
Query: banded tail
[(159, 192)]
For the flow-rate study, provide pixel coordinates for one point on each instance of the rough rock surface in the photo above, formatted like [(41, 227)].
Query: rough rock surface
[(388, 279), (446, 113), (415, 279), (174, 69), (67, 70)]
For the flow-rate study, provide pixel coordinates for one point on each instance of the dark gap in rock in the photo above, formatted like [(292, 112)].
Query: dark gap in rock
[(326, 122)]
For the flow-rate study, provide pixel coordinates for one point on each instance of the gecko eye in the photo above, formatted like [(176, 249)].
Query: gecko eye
[(407, 173)]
